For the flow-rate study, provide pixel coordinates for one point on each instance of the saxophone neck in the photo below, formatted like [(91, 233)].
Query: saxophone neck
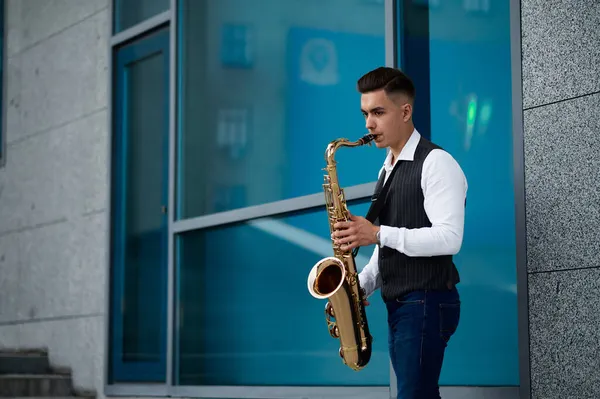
[(337, 143)]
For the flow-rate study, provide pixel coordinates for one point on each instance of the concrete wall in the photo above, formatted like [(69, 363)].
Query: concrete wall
[(53, 187), (561, 100)]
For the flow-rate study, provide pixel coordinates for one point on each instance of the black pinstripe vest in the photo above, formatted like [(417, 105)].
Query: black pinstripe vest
[(403, 207)]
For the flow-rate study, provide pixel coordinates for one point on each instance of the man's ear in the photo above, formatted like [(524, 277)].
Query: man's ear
[(407, 112)]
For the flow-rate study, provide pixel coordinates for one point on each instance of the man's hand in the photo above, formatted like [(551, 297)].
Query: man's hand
[(357, 232)]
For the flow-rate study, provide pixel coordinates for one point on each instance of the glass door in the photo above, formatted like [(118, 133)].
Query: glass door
[(139, 210)]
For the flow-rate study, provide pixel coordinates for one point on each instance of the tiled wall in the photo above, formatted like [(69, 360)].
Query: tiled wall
[(561, 100)]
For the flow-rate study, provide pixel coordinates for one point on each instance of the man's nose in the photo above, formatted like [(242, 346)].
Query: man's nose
[(370, 123)]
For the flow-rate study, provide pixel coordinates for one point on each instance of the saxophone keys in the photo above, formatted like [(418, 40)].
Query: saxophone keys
[(334, 331), (329, 310), (353, 278)]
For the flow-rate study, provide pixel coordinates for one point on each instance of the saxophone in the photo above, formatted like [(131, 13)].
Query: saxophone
[(335, 278)]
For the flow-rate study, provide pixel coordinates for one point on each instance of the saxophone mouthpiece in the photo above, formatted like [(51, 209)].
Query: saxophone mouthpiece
[(367, 138)]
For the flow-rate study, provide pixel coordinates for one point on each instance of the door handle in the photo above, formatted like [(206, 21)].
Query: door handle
[(163, 209)]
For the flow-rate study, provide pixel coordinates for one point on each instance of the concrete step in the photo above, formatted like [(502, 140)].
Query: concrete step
[(20, 385), (34, 362)]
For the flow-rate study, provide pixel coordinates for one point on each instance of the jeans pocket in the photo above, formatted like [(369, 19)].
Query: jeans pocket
[(449, 317)]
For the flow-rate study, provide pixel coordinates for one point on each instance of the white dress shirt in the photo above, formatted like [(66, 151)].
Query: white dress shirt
[(444, 188)]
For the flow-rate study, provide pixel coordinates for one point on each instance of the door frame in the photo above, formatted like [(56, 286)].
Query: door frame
[(157, 42)]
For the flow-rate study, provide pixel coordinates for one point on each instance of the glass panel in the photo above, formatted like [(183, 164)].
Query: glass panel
[(139, 219), (128, 13), (144, 221), (470, 101), (246, 317), (262, 93)]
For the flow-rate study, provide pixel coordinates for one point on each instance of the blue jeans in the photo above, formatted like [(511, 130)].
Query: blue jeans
[(420, 326)]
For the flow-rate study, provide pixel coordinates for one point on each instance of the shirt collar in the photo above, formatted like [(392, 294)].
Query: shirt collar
[(407, 153)]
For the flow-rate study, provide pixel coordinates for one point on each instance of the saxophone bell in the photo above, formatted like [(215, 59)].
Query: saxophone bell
[(325, 279), (331, 276)]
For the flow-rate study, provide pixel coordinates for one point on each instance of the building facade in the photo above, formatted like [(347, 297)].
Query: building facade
[(161, 202)]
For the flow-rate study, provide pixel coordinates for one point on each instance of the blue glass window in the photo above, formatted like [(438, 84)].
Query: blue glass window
[(245, 316), (461, 66), (264, 86), (127, 13)]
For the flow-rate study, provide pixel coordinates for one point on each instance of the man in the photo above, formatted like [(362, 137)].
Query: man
[(420, 228)]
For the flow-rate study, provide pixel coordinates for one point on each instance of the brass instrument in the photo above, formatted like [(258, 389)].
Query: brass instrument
[(335, 278)]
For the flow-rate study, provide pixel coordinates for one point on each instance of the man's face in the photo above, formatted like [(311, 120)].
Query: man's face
[(386, 118)]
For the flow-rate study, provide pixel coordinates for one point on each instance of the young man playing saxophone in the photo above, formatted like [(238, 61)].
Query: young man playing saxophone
[(420, 228)]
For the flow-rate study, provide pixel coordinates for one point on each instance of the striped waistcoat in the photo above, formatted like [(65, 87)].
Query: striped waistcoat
[(403, 207)]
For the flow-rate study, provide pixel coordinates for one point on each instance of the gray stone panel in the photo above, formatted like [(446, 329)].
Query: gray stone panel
[(561, 49), (55, 270), (43, 19), (562, 172), (55, 175), (56, 90), (13, 97), (10, 283), (564, 334), (63, 268)]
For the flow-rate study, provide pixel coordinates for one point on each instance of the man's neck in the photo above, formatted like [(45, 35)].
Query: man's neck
[(397, 148)]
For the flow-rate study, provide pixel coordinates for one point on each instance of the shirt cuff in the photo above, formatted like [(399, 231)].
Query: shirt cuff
[(365, 283), (392, 237)]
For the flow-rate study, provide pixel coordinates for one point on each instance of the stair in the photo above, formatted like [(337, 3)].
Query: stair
[(28, 374)]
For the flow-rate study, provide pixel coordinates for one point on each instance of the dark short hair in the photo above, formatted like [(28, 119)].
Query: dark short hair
[(391, 80)]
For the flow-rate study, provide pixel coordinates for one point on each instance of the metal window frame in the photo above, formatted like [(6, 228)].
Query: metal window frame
[(519, 192), (310, 201)]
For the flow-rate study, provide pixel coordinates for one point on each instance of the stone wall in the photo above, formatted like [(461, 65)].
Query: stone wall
[(561, 101)]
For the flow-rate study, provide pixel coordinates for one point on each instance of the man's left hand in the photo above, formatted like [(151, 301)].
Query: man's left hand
[(356, 232)]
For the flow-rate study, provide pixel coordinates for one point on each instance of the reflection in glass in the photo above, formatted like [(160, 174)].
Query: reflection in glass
[(470, 103), (244, 312), (262, 93), (128, 13)]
